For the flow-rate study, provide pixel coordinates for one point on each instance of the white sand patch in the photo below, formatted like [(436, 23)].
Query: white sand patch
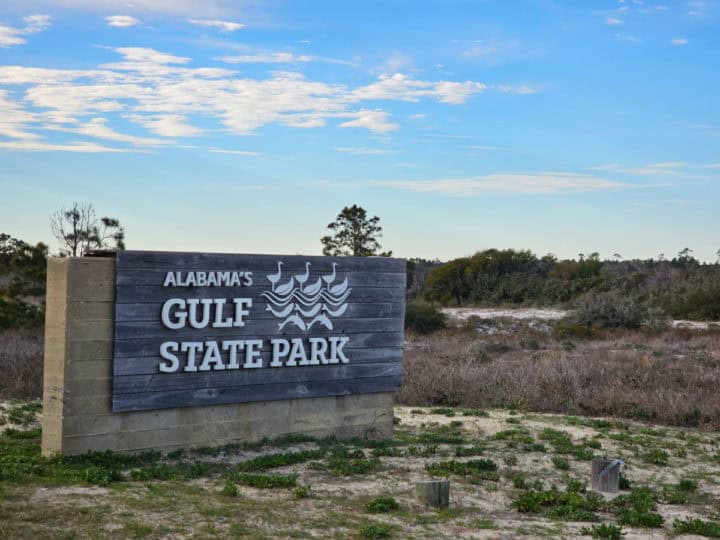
[(545, 314)]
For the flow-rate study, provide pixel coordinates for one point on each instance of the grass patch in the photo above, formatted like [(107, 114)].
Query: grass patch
[(376, 530), (271, 461), (24, 413), (381, 505), (637, 509), (484, 469), (561, 463), (574, 504), (448, 434), (468, 451), (347, 462), (266, 481), (605, 530), (711, 529)]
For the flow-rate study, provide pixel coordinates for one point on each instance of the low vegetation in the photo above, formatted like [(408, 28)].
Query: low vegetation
[(504, 477), (670, 377), (609, 294)]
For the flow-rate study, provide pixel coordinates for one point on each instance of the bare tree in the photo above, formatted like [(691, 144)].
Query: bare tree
[(79, 230)]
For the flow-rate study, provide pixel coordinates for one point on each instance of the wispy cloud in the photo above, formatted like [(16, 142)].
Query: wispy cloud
[(269, 58), (236, 152), (223, 26), (37, 146), (663, 168), (614, 21), (522, 89), (508, 183), (363, 150), (10, 36), (169, 97), (121, 21), (679, 41), (376, 121)]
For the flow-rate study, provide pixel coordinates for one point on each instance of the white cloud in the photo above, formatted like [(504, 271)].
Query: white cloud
[(376, 121), (664, 168), (188, 8), (121, 21), (405, 88), (10, 35), (613, 21), (167, 125), (396, 62), (508, 183), (146, 55), (269, 58), (97, 128), (679, 41), (522, 90), (166, 95), (363, 150), (36, 23), (236, 152), (223, 26), (37, 146)]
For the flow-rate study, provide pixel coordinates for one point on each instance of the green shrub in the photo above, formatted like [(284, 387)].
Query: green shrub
[(561, 463), (376, 530), (302, 492), (610, 310), (424, 318), (382, 505), (230, 489)]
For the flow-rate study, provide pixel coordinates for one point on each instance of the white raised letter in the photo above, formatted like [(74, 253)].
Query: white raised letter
[(240, 312), (233, 346), (166, 351), (318, 348), (336, 352), (180, 316), (219, 322), (169, 279), (280, 348), (253, 359), (297, 352), (193, 318), (212, 356), (191, 347)]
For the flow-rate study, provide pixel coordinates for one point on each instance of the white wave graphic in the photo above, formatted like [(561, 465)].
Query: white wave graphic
[(305, 306)]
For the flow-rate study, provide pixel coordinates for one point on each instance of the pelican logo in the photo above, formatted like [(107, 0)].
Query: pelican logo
[(296, 302)]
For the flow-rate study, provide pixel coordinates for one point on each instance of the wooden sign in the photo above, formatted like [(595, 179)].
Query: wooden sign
[(204, 329)]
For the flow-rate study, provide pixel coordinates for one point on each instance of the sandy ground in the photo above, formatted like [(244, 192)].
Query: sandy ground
[(336, 507), (547, 314)]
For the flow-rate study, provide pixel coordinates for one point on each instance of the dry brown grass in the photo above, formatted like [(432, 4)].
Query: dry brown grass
[(21, 363), (671, 378)]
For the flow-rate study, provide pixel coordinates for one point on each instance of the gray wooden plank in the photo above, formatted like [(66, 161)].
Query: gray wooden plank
[(222, 261), (156, 277), (151, 293), (151, 311), (150, 346), (219, 396), (146, 365), (252, 328), (161, 382)]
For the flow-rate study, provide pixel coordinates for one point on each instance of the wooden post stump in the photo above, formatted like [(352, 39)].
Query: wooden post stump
[(434, 493), (606, 475)]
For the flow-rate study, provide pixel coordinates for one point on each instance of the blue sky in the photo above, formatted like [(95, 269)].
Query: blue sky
[(560, 127)]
